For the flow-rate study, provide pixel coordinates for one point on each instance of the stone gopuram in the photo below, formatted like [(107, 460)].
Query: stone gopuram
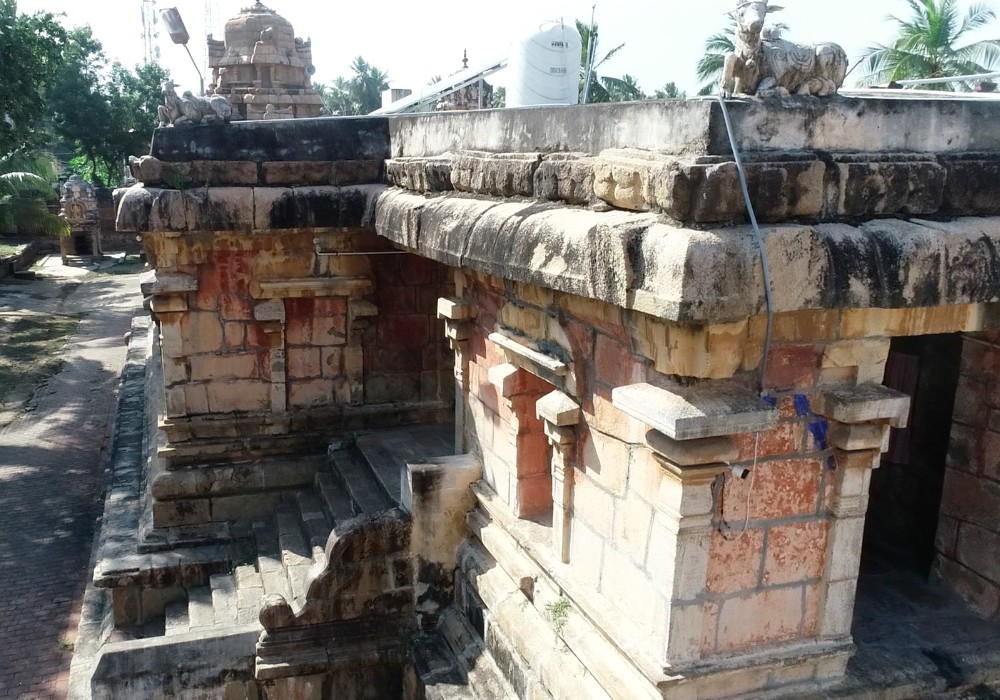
[(262, 68), (485, 405)]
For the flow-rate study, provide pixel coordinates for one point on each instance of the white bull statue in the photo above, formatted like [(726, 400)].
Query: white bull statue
[(190, 108), (763, 66)]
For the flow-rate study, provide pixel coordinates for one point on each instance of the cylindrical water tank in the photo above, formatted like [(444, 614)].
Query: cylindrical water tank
[(544, 67)]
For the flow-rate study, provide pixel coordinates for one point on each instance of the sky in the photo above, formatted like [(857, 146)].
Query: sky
[(414, 41)]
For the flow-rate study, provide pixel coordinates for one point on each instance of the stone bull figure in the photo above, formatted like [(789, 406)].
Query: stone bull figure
[(765, 66), (191, 109)]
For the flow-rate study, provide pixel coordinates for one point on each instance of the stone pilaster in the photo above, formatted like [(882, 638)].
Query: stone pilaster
[(859, 421), (690, 441), (458, 314), (561, 415), (271, 314), (166, 294), (359, 313)]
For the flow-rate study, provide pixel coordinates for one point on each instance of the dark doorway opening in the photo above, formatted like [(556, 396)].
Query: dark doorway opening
[(905, 495)]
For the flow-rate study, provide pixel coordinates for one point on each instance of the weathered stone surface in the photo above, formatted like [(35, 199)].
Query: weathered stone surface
[(566, 177), (497, 174), (205, 173), (864, 403), (972, 185), (421, 174), (707, 189), (558, 409), (276, 140), (873, 186), (158, 282), (689, 453), (700, 411)]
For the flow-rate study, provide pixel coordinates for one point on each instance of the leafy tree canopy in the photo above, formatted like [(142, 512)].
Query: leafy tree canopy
[(32, 50), (932, 43), (359, 94)]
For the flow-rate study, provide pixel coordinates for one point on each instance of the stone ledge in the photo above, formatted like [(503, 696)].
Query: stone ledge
[(157, 282), (701, 411), (315, 287), (247, 209), (864, 403), (636, 261)]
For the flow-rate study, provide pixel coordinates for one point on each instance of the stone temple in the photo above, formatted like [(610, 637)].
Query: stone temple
[(262, 68), (494, 405)]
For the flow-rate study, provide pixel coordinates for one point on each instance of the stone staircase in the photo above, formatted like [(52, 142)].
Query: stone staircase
[(364, 475)]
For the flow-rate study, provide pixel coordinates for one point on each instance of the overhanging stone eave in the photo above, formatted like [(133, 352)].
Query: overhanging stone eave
[(638, 261)]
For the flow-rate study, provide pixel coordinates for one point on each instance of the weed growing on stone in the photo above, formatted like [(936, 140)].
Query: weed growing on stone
[(558, 613)]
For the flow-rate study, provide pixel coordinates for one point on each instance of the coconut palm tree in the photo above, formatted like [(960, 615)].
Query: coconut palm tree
[(930, 45), (25, 179), (359, 94)]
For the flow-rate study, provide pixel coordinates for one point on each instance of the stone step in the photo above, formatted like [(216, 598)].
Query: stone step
[(201, 616), (296, 552), (337, 503), (224, 602), (269, 563), (315, 523), (364, 489), (438, 671), (175, 618), (387, 468), (249, 594)]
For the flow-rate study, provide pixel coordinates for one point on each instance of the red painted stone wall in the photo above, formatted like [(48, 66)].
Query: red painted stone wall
[(406, 353), (764, 585), (968, 537)]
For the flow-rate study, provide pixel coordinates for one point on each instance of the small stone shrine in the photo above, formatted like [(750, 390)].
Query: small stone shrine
[(262, 63), (80, 211)]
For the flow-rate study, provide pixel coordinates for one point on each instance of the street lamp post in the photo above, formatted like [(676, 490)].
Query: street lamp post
[(179, 35)]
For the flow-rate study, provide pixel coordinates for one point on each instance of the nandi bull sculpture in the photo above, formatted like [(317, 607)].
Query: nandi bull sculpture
[(765, 66), (191, 109)]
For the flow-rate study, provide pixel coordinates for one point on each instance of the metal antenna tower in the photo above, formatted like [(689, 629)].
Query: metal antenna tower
[(150, 33)]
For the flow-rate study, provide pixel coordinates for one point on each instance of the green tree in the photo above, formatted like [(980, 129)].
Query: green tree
[(359, 94), (103, 114), (32, 48), (930, 45), (669, 91), (25, 186), (623, 89)]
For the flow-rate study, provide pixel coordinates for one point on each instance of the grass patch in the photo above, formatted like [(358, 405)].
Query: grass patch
[(7, 250), (31, 350)]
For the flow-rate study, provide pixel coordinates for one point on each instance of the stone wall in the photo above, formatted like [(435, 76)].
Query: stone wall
[(787, 577), (968, 535)]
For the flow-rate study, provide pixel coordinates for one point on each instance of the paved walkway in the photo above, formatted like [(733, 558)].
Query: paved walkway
[(51, 475)]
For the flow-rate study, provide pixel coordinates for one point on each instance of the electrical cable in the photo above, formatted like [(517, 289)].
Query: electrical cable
[(760, 242), (759, 237)]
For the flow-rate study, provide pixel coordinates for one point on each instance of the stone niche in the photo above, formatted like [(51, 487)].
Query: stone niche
[(79, 209), (262, 68)]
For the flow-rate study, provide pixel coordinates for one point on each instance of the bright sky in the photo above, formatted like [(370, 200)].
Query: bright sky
[(414, 41)]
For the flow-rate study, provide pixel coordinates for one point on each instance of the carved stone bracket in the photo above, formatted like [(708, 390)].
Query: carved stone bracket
[(562, 416)]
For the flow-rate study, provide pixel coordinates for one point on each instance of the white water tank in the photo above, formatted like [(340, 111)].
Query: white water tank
[(544, 66)]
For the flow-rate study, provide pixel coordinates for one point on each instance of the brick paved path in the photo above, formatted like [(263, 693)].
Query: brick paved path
[(51, 462)]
